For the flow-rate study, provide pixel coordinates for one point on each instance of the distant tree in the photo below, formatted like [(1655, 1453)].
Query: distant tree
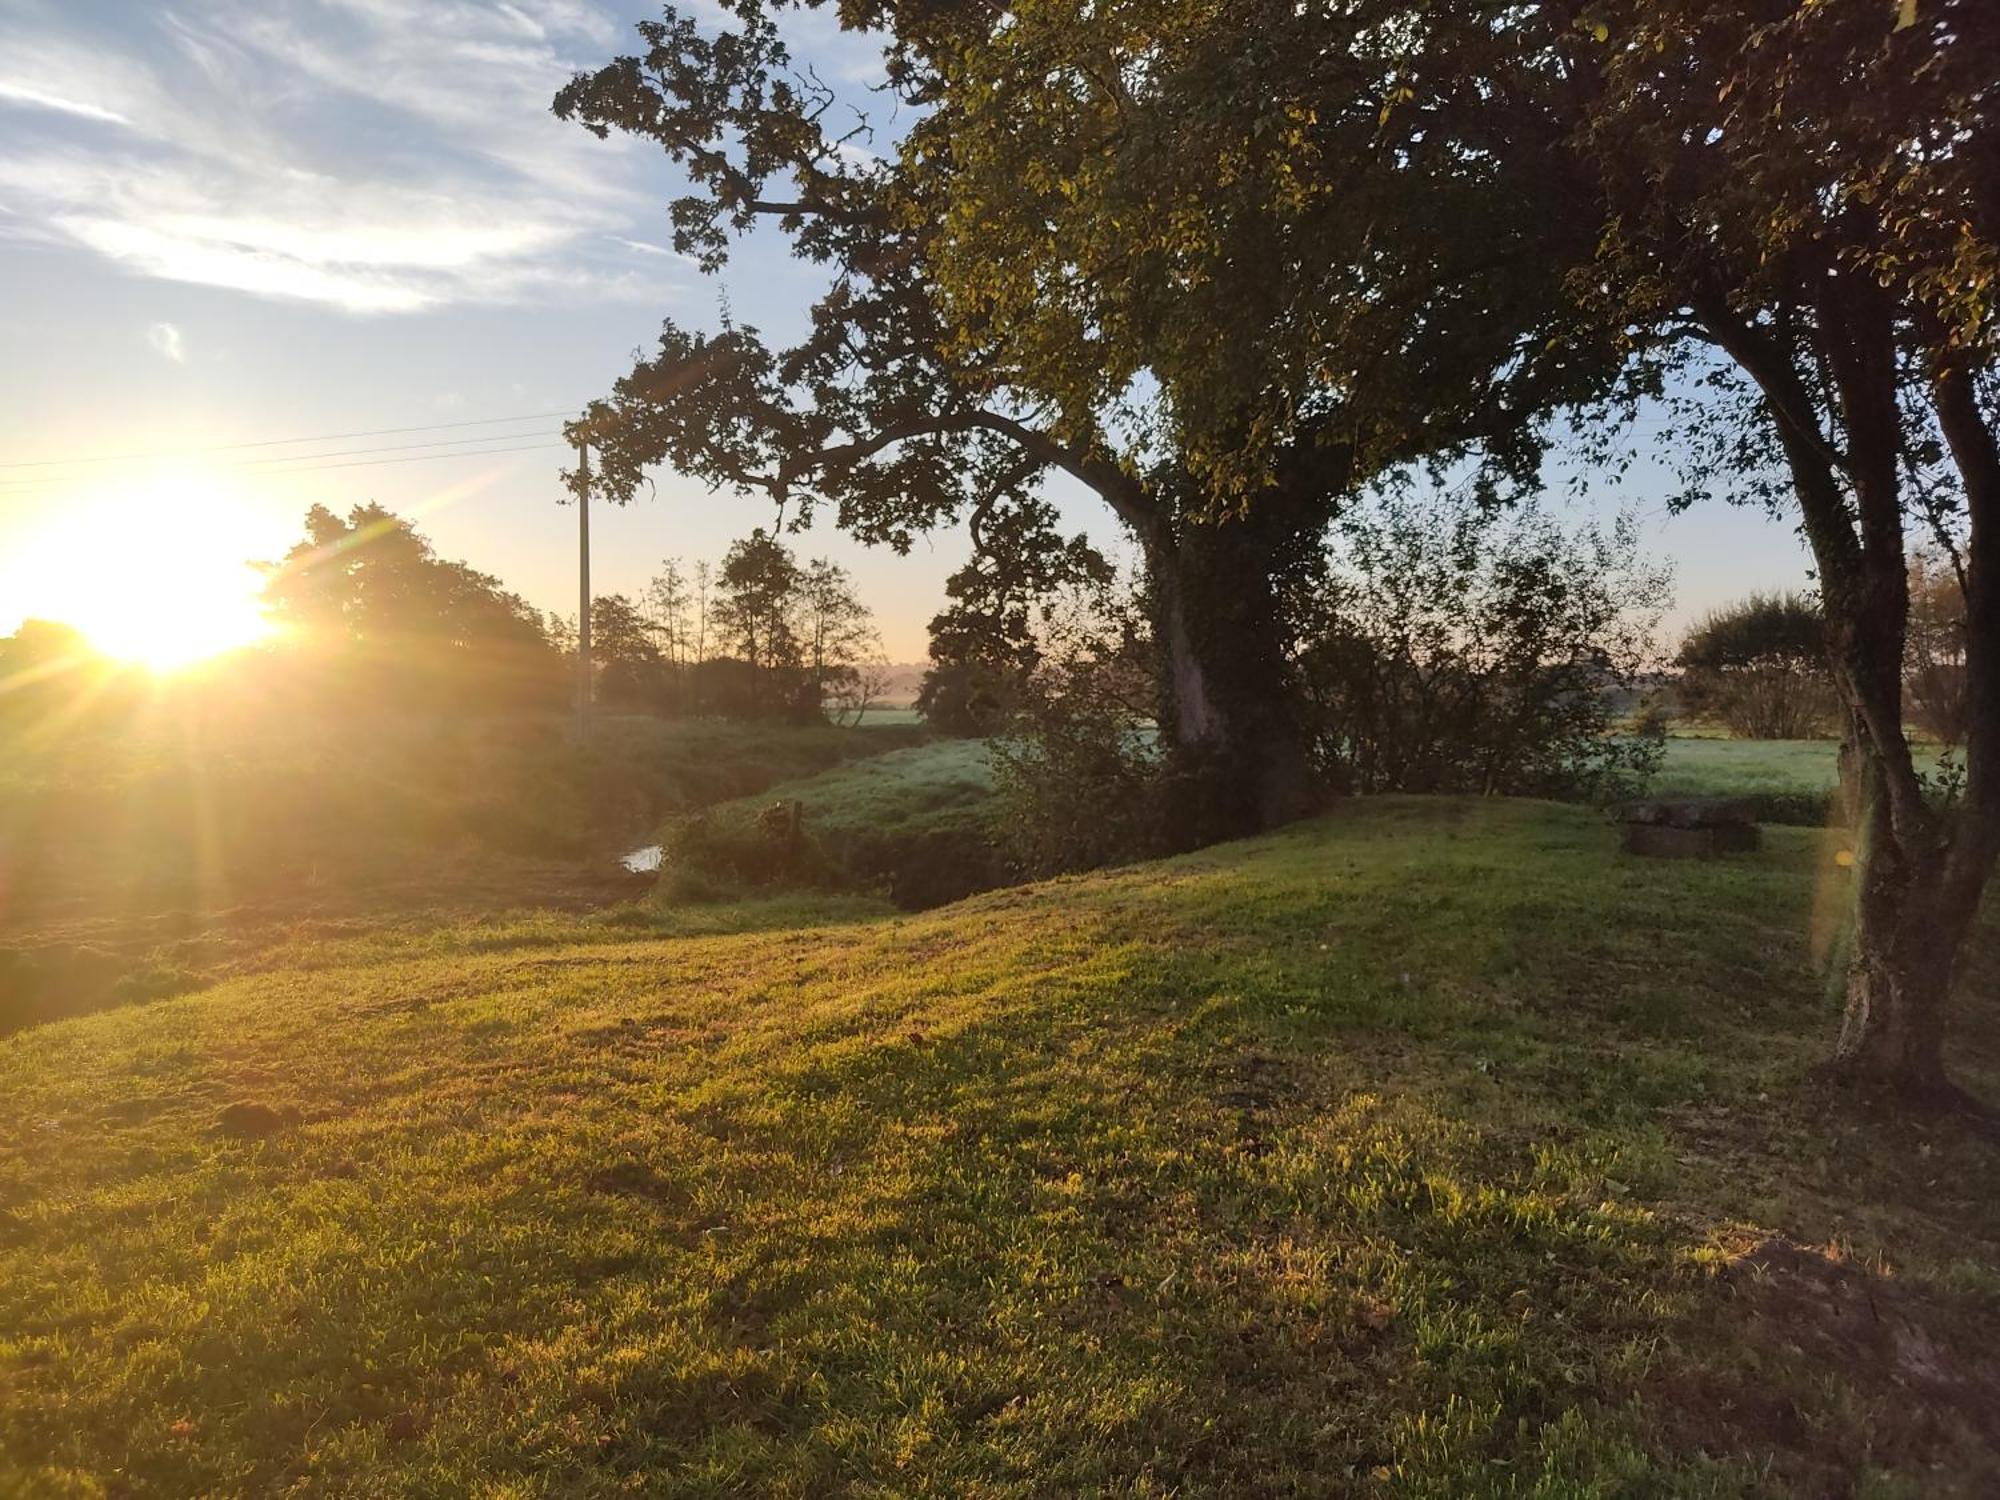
[(837, 637), (368, 599), (1934, 685), (1760, 668), (756, 620), (668, 610), (631, 673), (853, 693)]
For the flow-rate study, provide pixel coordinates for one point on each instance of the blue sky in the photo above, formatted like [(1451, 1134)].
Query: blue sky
[(229, 221)]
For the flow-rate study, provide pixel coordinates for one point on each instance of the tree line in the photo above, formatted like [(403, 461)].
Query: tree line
[(760, 635), (368, 618)]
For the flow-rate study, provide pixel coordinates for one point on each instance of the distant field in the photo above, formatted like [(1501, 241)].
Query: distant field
[(890, 714), (1789, 780), (1431, 1150)]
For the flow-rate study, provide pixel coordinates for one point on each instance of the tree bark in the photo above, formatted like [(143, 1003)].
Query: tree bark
[(1919, 874), (1904, 958), (1229, 711)]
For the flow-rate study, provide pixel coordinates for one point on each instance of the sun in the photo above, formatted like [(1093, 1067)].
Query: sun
[(156, 577)]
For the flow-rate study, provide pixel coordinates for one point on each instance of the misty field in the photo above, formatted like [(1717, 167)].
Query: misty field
[(1430, 1148)]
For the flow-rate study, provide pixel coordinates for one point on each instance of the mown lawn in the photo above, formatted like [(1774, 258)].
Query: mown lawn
[(1789, 781), (1433, 1149)]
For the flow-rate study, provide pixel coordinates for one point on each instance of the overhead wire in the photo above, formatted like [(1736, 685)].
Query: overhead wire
[(325, 437), (482, 445)]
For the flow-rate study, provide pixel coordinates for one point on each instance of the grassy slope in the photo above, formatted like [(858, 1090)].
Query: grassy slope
[(864, 820), (129, 866), (900, 793), (1414, 1151)]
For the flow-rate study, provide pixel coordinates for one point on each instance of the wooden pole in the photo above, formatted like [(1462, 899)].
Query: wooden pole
[(583, 682)]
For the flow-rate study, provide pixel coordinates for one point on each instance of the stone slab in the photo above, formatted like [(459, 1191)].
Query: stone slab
[(1664, 841), (1690, 812)]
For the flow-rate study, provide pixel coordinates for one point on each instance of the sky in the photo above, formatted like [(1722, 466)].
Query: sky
[(227, 223)]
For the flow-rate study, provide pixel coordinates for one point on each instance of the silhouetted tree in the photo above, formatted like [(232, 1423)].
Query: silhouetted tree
[(631, 673), (755, 613), (370, 604)]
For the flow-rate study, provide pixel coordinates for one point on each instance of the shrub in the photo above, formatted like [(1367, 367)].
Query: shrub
[(1447, 646), (1759, 667), (1078, 776), (709, 855)]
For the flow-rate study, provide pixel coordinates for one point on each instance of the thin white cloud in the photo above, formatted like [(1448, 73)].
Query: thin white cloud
[(166, 341), (647, 247), (29, 97), (377, 156)]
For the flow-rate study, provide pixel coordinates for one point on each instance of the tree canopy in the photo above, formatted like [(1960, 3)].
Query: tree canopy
[(1212, 283)]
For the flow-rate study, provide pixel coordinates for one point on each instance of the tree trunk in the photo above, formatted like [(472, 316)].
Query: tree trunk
[(1900, 973), (1229, 710)]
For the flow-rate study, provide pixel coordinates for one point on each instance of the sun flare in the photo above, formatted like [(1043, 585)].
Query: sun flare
[(157, 577)]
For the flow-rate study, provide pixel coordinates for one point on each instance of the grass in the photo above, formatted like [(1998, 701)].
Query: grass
[(135, 863), (1788, 781), (1429, 1149), (901, 792), (912, 821)]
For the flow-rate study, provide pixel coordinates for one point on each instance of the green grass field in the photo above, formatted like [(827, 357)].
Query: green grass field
[(1789, 781), (1429, 1149), (914, 815), (902, 790)]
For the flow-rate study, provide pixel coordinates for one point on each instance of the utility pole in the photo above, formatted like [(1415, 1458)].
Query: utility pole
[(583, 684)]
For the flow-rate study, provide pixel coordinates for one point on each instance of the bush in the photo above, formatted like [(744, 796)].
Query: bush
[(1450, 647), (1079, 779), (1438, 647), (1078, 787), (1759, 668), (708, 856)]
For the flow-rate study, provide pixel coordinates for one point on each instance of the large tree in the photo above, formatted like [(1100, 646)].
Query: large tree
[(1109, 248), (1813, 192)]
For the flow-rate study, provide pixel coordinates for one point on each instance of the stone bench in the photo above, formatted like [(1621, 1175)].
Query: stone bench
[(1689, 827)]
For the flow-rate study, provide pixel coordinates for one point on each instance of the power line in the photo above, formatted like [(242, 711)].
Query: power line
[(325, 437), (287, 458), (367, 463), (308, 467)]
